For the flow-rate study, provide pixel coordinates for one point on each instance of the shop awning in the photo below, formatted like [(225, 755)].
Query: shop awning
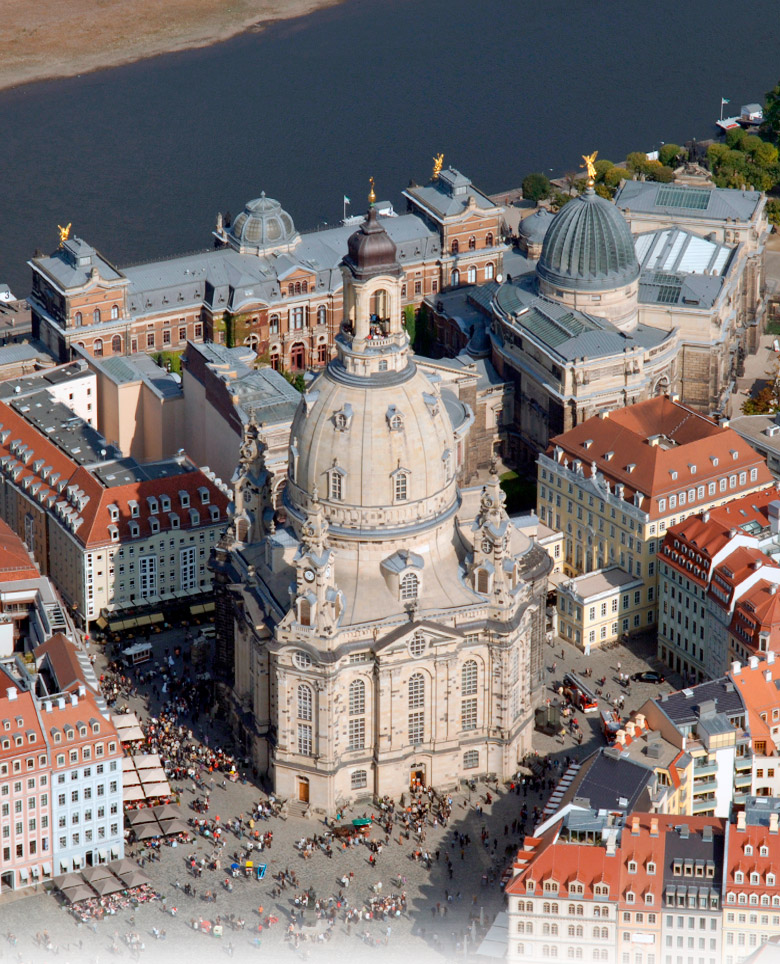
[(197, 610), (116, 625), (157, 789), (130, 733), (167, 596), (209, 607), (157, 618), (147, 761), (133, 793), (47, 869), (144, 621), (101, 622), (130, 623), (24, 873)]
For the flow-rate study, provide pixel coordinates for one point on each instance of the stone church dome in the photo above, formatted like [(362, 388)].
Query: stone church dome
[(263, 224), (380, 453), (588, 247)]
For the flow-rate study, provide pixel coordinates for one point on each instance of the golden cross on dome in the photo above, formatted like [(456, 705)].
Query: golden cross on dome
[(591, 167), (371, 193), (438, 162), (64, 232)]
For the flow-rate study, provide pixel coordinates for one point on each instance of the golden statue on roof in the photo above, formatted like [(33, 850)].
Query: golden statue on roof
[(372, 192), (590, 165), (438, 163), (64, 232)]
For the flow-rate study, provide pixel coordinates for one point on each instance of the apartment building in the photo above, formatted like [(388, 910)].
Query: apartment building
[(110, 532), (718, 574), (614, 485), (594, 609)]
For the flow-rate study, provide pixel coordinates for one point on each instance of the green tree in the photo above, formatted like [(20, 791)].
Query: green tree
[(669, 153), (603, 191), (715, 154), (766, 154), (659, 172), (637, 162), (424, 336), (602, 166), (773, 211), (615, 175), (764, 403), (558, 200), (535, 187), (772, 112), (410, 323), (735, 138)]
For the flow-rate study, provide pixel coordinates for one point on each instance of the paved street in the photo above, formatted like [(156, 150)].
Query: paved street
[(440, 907)]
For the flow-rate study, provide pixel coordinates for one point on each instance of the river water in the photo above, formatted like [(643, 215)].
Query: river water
[(140, 158)]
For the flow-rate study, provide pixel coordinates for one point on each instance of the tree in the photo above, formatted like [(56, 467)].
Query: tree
[(772, 112), (536, 187), (615, 175), (773, 211), (602, 166), (410, 323), (659, 172), (735, 138), (637, 162), (669, 153), (764, 403), (558, 200), (715, 154)]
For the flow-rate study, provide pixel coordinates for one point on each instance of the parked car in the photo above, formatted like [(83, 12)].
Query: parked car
[(650, 676)]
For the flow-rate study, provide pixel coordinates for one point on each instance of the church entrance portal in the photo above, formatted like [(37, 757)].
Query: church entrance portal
[(303, 790), (417, 776)]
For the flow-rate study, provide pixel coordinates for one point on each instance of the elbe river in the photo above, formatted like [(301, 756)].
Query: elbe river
[(141, 157)]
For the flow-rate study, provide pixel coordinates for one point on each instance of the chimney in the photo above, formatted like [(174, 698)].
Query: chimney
[(11, 692), (47, 706), (741, 820), (705, 516), (736, 669), (768, 675), (60, 702), (773, 821), (630, 728), (770, 657), (654, 827), (639, 719), (603, 414), (620, 737), (82, 690), (635, 826), (753, 662)]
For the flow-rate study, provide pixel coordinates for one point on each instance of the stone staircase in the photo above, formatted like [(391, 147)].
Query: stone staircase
[(294, 808)]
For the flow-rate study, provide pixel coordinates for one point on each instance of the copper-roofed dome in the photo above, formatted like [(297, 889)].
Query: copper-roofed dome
[(371, 250), (588, 247)]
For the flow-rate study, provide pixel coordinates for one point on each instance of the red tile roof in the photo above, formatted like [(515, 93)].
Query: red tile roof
[(15, 561), (93, 529), (760, 696), (641, 446), (737, 860), (61, 653)]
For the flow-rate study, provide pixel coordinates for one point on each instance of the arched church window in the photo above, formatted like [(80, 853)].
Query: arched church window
[(358, 779), (489, 239), (472, 243), (304, 286), (357, 697), (490, 271), (410, 586), (468, 678), (114, 311), (322, 315), (455, 276), (416, 691), (297, 287), (455, 247), (401, 486), (472, 275), (97, 347), (290, 290), (273, 325), (116, 345), (298, 357), (471, 759), (482, 581), (78, 319), (305, 702), (96, 316), (275, 360), (336, 486), (305, 612)]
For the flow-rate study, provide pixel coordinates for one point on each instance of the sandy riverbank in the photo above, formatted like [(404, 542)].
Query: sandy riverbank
[(59, 38)]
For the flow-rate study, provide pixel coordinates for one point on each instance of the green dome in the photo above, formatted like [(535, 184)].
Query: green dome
[(588, 247)]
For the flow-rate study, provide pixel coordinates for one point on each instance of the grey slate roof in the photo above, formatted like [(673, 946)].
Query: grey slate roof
[(225, 279), (448, 196), (72, 264), (140, 367), (611, 782), (683, 709), (718, 203), (12, 354)]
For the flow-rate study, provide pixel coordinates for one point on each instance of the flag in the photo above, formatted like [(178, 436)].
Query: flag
[(725, 100), (347, 200)]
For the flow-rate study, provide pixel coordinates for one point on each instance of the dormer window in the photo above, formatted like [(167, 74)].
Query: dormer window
[(763, 851), (739, 877), (336, 483), (205, 495), (165, 501), (400, 485), (134, 530), (153, 504), (113, 513), (650, 867), (154, 525), (214, 513), (770, 880), (343, 418), (113, 533), (395, 419), (410, 586), (134, 511), (630, 897), (175, 522), (754, 878), (194, 517), (184, 499), (748, 850), (632, 866)]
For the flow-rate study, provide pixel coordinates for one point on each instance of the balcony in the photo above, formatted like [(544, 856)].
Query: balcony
[(703, 786), (743, 781), (706, 769), (703, 806)]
